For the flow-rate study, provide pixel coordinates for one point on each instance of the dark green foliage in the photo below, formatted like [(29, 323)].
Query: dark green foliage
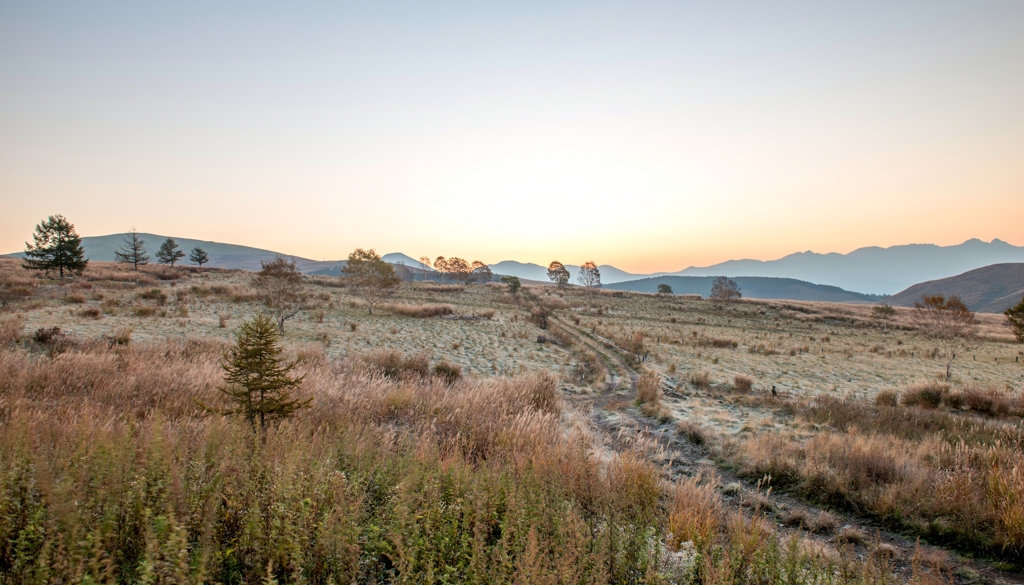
[(259, 381), (169, 253), (133, 250), (1015, 315), (199, 256), (57, 247), (664, 289), (513, 284)]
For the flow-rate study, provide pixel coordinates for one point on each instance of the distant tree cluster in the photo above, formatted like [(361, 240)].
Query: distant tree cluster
[(458, 270)]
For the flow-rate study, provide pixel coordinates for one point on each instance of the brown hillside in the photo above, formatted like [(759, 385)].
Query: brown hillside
[(991, 289)]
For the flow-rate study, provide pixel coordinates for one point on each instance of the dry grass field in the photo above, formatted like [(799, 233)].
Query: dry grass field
[(620, 438)]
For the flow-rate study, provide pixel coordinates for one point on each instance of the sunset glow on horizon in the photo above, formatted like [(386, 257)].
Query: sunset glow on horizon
[(651, 136)]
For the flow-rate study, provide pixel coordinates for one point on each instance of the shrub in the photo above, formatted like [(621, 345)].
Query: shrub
[(46, 335), (539, 317), (392, 363), (990, 400), (154, 294), (448, 372), (924, 393), (421, 311), (701, 379), (694, 512), (76, 299), (91, 312), (10, 330), (886, 398), (144, 311), (743, 383), (648, 388)]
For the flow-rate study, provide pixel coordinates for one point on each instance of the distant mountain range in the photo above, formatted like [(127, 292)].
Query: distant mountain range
[(991, 289), (874, 269), (752, 287)]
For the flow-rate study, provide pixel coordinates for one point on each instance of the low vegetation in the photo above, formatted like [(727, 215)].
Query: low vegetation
[(464, 433)]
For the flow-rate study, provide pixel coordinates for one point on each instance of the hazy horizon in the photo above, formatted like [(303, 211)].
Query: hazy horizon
[(651, 136)]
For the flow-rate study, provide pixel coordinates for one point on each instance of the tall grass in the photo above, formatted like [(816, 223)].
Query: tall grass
[(952, 477), (110, 471)]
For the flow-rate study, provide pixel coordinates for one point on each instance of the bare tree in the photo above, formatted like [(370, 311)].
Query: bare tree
[(558, 274), (281, 286), (441, 266), (725, 289), (482, 272), (371, 276), (133, 250), (425, 265), (589, 278), (949, 322)]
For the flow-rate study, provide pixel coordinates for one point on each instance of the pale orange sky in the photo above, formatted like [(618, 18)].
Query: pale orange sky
[(644, 135)]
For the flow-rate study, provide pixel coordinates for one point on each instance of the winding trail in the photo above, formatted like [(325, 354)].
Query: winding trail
[(623, 427)]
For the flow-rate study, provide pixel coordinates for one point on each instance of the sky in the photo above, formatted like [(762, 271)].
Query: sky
[(651, 136)]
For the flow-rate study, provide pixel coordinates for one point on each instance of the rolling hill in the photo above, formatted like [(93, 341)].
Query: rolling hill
[(991, 289), (102, 248), (752, 287)]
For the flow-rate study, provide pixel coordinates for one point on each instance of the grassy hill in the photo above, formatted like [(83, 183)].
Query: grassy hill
[(991, 289), (102, 248), (753, 287)]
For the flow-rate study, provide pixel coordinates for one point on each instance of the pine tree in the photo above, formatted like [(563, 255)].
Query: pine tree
[(199, 256), (133, 250), (259, 381), (57, 247), (169, 252)]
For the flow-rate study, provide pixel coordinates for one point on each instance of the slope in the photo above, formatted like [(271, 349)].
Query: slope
[(991, 289)]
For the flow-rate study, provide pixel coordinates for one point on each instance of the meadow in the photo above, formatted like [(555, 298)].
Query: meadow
[(565, 438)]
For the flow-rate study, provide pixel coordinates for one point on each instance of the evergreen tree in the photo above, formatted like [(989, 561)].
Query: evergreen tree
[(169, 252), (199, 256), (133, 250), (57, 247), (259, 381)]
